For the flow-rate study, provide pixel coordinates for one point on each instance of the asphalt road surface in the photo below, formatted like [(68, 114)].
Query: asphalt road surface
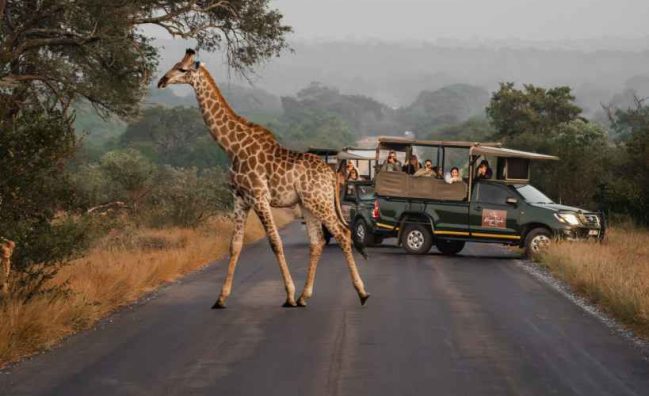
[(475, 324)]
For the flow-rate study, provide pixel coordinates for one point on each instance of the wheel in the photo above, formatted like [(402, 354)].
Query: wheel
[(362, 233), (449, 248), (537, 240), (416, 239)]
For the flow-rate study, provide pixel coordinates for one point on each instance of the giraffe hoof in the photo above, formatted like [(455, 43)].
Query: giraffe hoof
[(218, 305), (364, 298), (301, 303), (289, 304)]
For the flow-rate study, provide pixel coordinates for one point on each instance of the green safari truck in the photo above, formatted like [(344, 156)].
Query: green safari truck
[(500, 207)]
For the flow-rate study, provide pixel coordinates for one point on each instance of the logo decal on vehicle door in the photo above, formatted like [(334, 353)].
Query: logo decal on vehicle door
[(494, 218)]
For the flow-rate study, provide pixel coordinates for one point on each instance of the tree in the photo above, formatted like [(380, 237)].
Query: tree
[(130, 174), (548, 121), (55, 52), (174, 136), (533, 110), (629, 185), (312, 128)]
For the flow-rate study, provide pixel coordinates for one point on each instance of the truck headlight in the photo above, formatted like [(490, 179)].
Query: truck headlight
[(569, 218)]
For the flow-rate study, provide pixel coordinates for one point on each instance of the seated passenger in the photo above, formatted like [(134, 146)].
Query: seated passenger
[(427, 170), (437, 172), (483, 172), (353, 175), (454, 176), (391, 164), (412, 166)]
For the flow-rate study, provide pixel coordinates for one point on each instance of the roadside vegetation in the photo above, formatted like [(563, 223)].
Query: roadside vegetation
[(614, 274), (117, 270)]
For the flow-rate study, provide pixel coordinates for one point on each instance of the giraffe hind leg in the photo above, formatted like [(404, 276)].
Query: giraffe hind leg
[(344, 238), (316, 244)]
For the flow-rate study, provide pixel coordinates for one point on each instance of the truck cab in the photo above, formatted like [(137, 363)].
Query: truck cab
[(422, 210)]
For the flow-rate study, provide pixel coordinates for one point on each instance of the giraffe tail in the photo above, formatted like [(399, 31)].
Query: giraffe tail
[(360, 248)]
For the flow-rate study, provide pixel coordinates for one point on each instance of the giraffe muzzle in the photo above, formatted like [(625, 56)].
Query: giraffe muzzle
[(163, 82)]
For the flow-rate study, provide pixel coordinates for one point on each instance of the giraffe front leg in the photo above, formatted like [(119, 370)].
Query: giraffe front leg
[(263, 210), (241, 210), (316, 241)]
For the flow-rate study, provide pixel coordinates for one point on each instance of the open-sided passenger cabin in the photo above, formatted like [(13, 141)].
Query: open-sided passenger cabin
[(507, 165), (328, 155)]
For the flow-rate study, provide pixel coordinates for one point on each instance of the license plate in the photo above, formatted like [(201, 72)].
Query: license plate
[(593, 233)]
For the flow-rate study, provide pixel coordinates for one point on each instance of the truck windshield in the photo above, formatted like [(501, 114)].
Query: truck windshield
[(532, 195)]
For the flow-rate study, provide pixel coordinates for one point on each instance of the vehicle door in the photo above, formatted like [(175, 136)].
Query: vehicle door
[(491, 217)]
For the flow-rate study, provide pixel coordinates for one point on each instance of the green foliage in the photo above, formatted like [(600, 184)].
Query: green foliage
[(129, 174), (628, 187), (533, 110), (364, 115), (446, 106), (583, 150), (175, 136), (547, 121), (186, 197), (33, 150), (476, 129), (312, 128)]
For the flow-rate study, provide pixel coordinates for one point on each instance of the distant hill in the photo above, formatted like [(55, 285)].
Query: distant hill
[(446, 106), (395, 73)]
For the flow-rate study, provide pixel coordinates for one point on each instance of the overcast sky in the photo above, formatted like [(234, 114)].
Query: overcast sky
[(483, 20)]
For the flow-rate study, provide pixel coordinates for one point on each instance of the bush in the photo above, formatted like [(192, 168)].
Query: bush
[(187, 196)]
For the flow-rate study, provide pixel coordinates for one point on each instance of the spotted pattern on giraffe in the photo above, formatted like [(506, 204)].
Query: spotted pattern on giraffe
[(264, 174)]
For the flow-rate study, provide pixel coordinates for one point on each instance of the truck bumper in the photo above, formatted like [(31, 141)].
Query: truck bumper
[(580, 233)]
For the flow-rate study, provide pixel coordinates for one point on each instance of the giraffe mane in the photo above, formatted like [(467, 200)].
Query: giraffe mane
[(210, 80)]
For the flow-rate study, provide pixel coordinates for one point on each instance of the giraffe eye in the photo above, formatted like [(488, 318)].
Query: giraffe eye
[(184, 70)]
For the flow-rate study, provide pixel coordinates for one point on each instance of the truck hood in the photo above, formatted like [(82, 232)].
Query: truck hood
[(559, 208)]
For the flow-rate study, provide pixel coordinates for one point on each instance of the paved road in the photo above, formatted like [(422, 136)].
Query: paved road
[(477, 324)]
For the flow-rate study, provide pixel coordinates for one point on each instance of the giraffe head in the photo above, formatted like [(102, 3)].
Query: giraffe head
[(183, 72)]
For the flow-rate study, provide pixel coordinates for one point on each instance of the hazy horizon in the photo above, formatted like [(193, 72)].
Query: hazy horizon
[(466, 20)]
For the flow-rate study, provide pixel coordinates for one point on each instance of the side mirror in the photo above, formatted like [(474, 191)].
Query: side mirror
[(511, 201)]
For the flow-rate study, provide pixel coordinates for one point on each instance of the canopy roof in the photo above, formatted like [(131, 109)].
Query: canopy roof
[(322, 151), (345, 155), (509, 153), (390, 141)]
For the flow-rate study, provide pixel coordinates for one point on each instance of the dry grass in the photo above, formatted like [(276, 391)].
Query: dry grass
[(119, 270), (614, 275)]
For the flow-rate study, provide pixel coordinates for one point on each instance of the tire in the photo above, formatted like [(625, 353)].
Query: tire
[(449, 248), (362, 233), (416, 239), (537, 240)]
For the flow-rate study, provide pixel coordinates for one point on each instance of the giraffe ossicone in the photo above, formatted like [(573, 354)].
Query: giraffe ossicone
[(263, 175)]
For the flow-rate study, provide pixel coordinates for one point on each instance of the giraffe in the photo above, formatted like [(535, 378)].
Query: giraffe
[(263, 174), (6, 250)]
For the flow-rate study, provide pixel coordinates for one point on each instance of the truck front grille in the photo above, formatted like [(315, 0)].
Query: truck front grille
[(591, 220)]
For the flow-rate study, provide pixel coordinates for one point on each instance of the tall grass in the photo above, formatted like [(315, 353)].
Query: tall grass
[(614, 274), (120, 269)]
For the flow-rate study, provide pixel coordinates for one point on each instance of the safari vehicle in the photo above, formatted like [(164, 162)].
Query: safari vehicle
[(421, 211)]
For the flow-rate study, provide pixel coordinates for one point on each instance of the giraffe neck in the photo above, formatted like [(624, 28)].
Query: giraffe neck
[(221, 120)]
